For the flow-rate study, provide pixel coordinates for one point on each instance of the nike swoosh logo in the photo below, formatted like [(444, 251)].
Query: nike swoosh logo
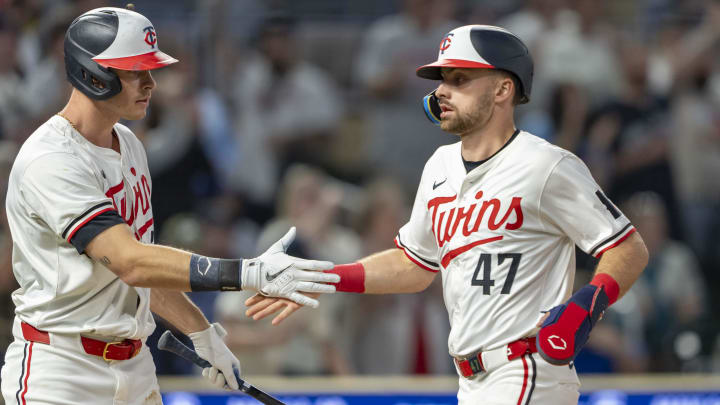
[(270, 277), (436, 185)]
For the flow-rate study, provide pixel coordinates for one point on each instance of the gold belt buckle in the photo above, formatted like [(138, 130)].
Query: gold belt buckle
[(105, 350)]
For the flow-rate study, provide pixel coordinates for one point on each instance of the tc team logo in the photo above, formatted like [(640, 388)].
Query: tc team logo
[(446, 42), (150, 36)]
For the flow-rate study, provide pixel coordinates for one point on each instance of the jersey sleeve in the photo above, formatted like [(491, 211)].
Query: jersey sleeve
[(573, 203), (416, 238), (65, 194)]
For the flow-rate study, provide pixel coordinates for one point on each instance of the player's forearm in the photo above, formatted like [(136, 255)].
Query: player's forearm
[(157, 266), (146, 265), (572, 322), (625, 262), (176, 308), (170, 268), (139, 264), (391, 272)]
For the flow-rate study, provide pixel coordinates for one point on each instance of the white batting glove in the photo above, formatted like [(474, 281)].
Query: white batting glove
[(276, 274), (210, 346)]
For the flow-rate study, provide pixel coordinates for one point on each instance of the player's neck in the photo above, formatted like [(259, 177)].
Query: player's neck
[(89, 120), (484, 142)]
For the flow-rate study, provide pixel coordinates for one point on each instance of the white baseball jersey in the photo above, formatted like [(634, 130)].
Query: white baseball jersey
[(62, 192), (504, 235)]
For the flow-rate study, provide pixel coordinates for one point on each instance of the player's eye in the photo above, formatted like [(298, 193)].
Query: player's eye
[(454, 80), (458, 80)]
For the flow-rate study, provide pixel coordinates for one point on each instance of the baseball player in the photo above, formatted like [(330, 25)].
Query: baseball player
[(498, 214), (79, 210)]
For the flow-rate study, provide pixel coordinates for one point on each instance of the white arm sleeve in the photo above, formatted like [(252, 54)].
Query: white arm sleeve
[(416, 237), (63, 192), (573, 204)]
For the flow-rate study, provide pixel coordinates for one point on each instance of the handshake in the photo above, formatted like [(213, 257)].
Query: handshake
[(272, 274), (276, 274)]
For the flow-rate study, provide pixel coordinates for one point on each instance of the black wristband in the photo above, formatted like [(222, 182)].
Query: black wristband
[(211, 274)]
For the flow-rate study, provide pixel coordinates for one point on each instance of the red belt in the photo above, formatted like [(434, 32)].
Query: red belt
[(125, 350), (472, 365)]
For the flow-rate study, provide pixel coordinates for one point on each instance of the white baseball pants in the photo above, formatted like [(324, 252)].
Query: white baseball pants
[(528, 380), (61, 373)]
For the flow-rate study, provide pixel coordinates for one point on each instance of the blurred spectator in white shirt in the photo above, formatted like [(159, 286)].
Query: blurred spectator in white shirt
[(393, 47), (578, 49), (285, 110)]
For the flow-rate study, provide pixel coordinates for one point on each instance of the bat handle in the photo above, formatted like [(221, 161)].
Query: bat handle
[(169, 342)]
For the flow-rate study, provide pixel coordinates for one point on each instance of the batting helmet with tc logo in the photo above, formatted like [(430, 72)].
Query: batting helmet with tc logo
[(483, 47), (106, 38)]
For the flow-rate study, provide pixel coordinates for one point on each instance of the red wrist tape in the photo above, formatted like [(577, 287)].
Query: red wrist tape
[(612, 289), (352, 277)]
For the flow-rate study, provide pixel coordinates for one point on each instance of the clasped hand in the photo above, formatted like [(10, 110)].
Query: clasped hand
[(276, 274)]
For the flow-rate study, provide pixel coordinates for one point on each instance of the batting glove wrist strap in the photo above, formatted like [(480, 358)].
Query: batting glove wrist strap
[(352, 277), (568, 326), (611, 287), (211, 274)]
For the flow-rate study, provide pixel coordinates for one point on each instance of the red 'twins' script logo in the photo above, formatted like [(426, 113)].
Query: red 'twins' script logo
[(130, 211), (447, 222)]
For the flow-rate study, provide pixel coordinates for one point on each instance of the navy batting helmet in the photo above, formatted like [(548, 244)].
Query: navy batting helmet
[(107, 38), (484, 47)]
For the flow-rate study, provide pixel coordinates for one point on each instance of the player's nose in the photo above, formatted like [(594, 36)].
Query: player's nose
[(442, 91), (148, 83)]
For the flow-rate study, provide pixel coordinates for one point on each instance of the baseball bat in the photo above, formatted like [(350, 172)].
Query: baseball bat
[(171, 343)]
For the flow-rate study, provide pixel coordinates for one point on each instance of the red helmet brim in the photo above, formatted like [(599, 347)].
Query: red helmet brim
[(146, 61), (432, 71)]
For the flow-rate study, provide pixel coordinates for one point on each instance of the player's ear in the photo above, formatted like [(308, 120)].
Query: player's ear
[(504, 89)]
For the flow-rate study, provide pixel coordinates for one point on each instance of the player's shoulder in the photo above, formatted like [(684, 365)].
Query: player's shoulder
[(443, 158), (535, 151), (540, 147), (445, 153), (127, 134), (48, 143), (134, 148)]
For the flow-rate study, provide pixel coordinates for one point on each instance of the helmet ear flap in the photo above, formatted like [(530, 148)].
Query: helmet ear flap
[(431, 106), (81, 70)]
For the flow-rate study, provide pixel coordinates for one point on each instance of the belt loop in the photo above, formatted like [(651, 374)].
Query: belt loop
[(32, 334), (518, 348)]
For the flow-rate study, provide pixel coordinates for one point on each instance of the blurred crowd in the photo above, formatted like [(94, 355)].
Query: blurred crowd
[(308, 113)]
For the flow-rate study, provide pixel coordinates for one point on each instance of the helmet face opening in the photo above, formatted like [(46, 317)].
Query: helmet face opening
[(107, 38), (483, 47)]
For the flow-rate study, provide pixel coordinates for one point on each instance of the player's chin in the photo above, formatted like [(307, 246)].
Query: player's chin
[(449, 126), (137, 113)]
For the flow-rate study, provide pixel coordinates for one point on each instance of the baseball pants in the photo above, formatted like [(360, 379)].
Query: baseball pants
[(61, 373), (528, 380)]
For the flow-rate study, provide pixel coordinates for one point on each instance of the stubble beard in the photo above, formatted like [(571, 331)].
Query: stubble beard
[(463, 122)]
